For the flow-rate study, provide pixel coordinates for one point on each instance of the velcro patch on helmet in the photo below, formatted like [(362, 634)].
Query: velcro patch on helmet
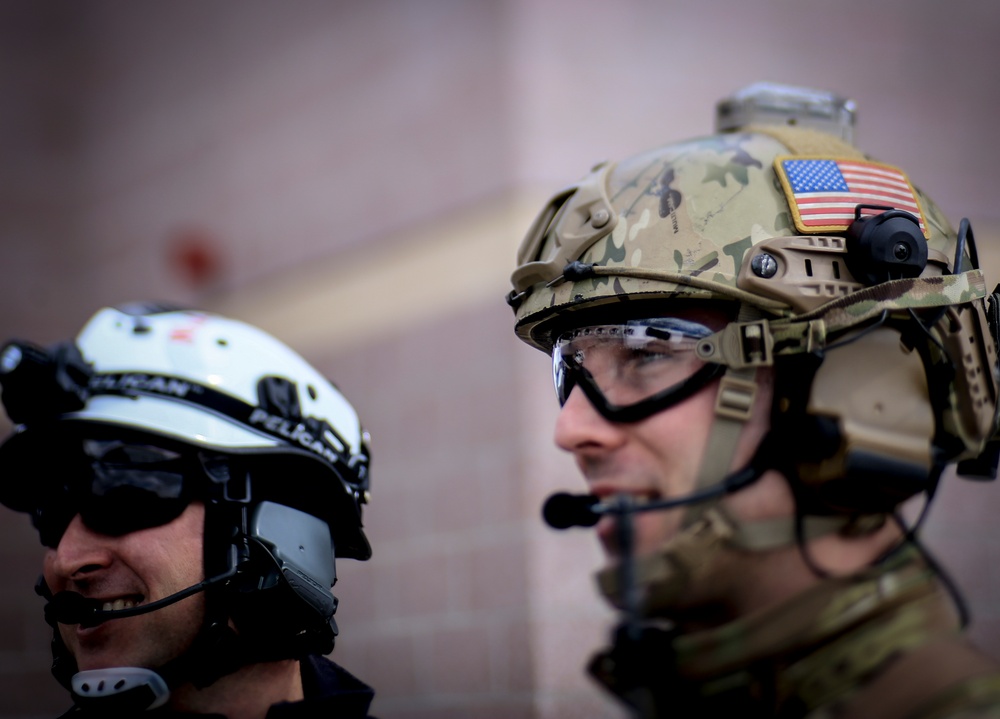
[(824, 192)]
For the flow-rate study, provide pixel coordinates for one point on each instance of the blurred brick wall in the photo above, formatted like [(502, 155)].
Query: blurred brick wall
[(306, 145), (443, 617), (439, 616)]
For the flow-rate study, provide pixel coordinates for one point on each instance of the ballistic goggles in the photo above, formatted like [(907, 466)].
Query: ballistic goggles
[(633, 370), (118, 487)]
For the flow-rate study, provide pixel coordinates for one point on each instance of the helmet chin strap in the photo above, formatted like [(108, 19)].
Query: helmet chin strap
[(216, 652), (659, 577), (120, 689), (705, 527)]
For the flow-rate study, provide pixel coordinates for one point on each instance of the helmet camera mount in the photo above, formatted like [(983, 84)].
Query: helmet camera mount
[(885, 246)]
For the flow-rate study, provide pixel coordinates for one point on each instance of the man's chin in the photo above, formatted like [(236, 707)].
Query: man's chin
[(104, 655), (89, 663), (660, 589)]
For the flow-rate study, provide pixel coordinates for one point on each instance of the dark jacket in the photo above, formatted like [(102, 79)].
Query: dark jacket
[(330, 692)]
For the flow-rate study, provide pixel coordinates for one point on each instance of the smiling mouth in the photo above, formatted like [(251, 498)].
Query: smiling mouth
[(635, 498), (121, 603), (644, 498), (607, 527)]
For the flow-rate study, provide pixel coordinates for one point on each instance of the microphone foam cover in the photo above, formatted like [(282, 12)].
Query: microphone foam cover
[(564, 510)]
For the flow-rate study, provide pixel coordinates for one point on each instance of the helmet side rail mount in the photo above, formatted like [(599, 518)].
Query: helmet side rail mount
[(563, 510), (882, 245)]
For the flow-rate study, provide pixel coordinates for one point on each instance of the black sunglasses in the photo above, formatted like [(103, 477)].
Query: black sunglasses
[(118, 487)]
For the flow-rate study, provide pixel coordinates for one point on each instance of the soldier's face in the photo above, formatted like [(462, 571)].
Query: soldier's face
[(655, 458), (128, 570)]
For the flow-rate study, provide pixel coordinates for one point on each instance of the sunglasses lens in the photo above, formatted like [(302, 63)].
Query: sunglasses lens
[(117, 488), (51, 522), (129, 509)]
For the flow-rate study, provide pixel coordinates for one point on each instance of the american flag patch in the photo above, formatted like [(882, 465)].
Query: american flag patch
[(823, 192)]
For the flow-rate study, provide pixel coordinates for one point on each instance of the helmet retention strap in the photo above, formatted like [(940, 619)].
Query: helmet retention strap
[(734, 403)]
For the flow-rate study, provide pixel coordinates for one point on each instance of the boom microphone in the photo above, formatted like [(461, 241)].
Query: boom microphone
[(68, 607), (74, 608), (565, 510)]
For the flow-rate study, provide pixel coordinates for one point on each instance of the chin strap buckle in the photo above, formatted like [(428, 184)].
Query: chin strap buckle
[(120, 689), (739, 345), (735, 398)]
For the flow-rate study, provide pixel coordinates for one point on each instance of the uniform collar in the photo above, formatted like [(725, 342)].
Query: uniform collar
[(811, 651)]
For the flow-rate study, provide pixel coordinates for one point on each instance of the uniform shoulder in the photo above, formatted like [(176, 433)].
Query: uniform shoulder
[(974, 698)]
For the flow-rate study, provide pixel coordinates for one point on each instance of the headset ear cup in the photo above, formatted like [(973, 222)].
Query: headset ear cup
[(280, 601), (885, 247), (274, 618), (861, 442)]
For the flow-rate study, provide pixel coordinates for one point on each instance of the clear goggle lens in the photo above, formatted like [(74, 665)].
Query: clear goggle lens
[(630, 370)]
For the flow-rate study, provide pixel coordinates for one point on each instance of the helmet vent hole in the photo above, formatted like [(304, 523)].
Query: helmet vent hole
[(809, 268), (312, 391), (836, 270), (222, 342)]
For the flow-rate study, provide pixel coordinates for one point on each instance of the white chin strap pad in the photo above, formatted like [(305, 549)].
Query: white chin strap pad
[(114, 683)]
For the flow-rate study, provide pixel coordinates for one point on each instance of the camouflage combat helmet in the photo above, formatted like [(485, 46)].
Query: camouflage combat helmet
[(844, 278)]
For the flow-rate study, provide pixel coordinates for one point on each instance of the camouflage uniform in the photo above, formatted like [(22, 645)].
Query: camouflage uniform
[(818, 655)]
